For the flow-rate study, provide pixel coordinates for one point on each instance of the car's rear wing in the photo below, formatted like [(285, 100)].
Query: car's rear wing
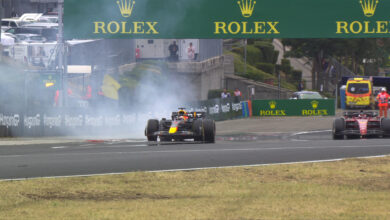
[(197, 114), (190, 115), (356, 114)]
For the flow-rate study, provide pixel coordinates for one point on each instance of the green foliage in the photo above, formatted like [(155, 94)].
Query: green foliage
[(256, 74), (252, 72), (261, 62), (266, 67), (251, 41), (254, 55), (270, 55), (286, 67), (262, 44), (238, 50), (296, 76), (276, 56), (288, 85), (352, 52)]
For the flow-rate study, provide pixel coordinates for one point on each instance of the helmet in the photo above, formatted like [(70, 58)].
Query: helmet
[(182, 113), (383, 90)]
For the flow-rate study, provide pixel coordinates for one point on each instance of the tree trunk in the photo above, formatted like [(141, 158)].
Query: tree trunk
[(326, 81), (313, 74)]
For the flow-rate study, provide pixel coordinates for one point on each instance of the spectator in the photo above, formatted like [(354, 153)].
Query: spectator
[(237, 95), (191, 52), (14, 14), (173, 49), (137, 53), (88, 94), (225, 94), (300, 86)]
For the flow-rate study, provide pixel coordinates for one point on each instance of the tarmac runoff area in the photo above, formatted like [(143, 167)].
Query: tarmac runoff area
[(267, 125), (255, 126)]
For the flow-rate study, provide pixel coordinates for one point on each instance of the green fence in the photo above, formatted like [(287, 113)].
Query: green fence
[(325, 107)]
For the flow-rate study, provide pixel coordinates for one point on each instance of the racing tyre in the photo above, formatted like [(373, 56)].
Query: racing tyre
[(209, 131), (197, 128), (338, 127), (352, 136), (385, 125), (165, 139), (150, 129)]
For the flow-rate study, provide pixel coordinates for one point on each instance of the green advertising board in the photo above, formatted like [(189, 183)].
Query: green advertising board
[(170, 19), (49, 81), (303, 107)]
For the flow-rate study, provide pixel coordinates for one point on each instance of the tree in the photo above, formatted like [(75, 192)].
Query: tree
[(355, 54)]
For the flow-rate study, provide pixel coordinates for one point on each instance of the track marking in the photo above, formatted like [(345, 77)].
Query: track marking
[(310, 132), (60, 147), (110, 146), (296, 140), (202, 150), (86, 145), (196, 169)]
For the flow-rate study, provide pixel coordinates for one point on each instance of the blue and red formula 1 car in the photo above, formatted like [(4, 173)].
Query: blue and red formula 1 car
[(183, 125)]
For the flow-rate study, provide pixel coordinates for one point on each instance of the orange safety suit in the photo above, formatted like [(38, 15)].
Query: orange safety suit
[(383, 103), (137, 53), (88, 94), (56, 98)]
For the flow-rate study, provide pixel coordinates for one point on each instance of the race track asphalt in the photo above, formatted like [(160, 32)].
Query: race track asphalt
[(119, 156)]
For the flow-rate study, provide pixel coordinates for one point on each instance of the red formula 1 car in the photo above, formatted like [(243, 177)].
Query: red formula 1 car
[(360, 124)]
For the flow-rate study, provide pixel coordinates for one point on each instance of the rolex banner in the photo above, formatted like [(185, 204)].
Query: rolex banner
[(174, 19), (324, 107)]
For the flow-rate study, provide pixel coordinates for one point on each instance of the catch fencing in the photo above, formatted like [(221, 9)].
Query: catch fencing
[(221, 109), (71, 122)]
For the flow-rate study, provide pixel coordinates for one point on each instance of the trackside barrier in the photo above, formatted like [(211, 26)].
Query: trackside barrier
[(300, 107), (35, 123), (220, 109), (59, 124), (246, 109)]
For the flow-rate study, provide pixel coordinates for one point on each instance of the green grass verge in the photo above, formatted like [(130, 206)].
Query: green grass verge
[(351, 189)]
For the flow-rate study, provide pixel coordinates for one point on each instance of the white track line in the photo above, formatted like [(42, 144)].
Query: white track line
[(196, 169), (310, 132), (203, 150), (60, 147)]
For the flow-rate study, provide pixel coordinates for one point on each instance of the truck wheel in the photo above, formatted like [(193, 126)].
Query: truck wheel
[(150, 129), (338, 127), (209, 131), (197, 128), (385, 125)]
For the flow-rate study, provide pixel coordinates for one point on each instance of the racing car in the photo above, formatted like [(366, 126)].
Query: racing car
[(182, 125), (360, 124)]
